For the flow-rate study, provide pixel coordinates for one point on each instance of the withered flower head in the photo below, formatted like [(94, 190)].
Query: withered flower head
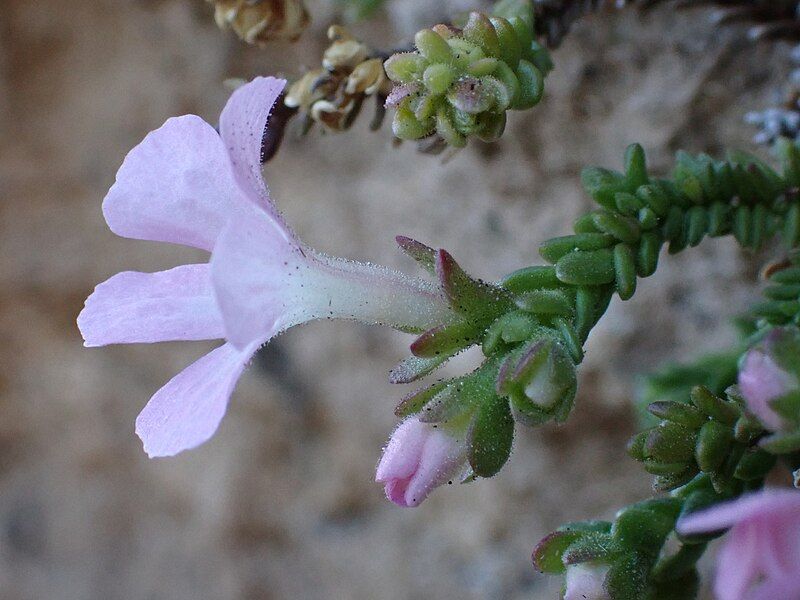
[(259, 21), (333, 95)]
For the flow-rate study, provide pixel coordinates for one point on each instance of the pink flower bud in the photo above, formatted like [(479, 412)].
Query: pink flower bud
[(762, 549), (418, 458), (763, 378), (585, 582)]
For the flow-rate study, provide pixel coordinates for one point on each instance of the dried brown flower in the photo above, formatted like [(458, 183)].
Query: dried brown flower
[(259, 21), (333, 95)]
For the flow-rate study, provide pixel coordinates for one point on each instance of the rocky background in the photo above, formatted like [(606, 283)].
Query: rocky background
[(281, 503)]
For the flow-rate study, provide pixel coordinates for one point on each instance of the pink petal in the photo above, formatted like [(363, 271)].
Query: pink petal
[(728, 514), (395, 491), (133, 307), (401, 455), (786, 587), (737, 564), (442, 457), (762, 380), (256, 270), (188, 409), (242, 124), (176, 186)]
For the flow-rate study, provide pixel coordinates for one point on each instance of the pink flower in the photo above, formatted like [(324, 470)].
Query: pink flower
[(762, 379), (584, 581), (187, 184), (418, 458), (760, 559)]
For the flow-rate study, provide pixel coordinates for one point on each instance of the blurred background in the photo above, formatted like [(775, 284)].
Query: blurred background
[(282, 503)]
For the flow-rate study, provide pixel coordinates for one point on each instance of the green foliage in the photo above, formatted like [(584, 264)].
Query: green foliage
[(711, 435), (460, 82), (532, 325), (645, 560)]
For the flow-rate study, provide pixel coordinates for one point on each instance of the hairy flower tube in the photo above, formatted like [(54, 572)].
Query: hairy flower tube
[(418, 458), (760, 557), (769, 373), (187, 184)]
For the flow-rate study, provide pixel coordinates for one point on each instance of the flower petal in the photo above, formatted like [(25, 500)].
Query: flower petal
[(188, 409), (442, 457), (266, 281), (402, 453), (242, 125), (133, 307), (395, 491), (727, 514), (255, 269), (176, 186), (737, 563), (785, 588)]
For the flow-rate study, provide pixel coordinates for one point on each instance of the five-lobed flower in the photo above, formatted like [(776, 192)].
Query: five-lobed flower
[(187, 184)]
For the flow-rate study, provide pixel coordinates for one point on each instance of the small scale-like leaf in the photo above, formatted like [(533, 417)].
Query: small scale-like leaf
[(555, 248), (592, 268), (490, 437), (413, 367), (414, 402)]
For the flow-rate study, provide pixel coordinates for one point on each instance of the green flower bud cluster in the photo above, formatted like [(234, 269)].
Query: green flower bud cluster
[(710, 435), (644, 558), (460, 82), (532, 324), (529, 373)]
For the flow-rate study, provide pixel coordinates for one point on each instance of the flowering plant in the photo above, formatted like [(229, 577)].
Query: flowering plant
[(715, 430)]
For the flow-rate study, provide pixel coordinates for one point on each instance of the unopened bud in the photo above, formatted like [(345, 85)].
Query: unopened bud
[(540, 382)]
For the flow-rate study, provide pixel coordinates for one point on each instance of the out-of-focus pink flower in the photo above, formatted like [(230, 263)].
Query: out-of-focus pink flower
[(762, 379), (418, 458), (760, 558), (187, 184), (584, 581)]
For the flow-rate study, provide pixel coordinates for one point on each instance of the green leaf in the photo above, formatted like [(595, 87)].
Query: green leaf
[(531, 85), (413, 367), (670, 442), (445, 340), (625, 268), (591, 546), (548, 553), (635, 166), (714, 441), (554, 249), (714, 406), (754, 465), (531, 278), (603, 185), (414, 402), (546, 302), (594, 267), (627, 577), (622, 228), (490, 437), (683, 414)]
